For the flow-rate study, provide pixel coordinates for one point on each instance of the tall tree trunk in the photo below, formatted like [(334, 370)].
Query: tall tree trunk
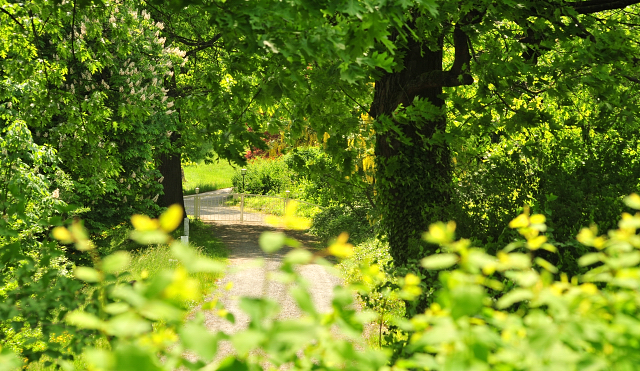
[(170, 168), (414, 176)]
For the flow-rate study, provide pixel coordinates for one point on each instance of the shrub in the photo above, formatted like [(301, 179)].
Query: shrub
[(263, 177), (511, 311), (334, 220)]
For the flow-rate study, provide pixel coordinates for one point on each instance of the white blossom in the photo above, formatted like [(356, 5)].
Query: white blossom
[(170, 104), (121, 180), (161, 179), (143, 97), (169, 134), (155, 199), (160, 25), (132, 91), (46, 134), (133, 175), (56, 193), (121, 89), (164, 98), (124, 199)]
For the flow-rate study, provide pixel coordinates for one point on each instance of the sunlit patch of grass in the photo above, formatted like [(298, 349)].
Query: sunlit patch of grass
[(207, 177)]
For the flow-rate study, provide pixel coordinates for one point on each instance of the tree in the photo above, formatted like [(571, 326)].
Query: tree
[(493, 62), (88, 81)]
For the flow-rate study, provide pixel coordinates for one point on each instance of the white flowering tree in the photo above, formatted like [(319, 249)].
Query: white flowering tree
[(90, 82)]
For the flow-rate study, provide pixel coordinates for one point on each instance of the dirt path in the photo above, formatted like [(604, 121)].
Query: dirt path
[(248, 279)]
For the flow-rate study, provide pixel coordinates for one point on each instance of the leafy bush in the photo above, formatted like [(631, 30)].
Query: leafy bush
[(334, 220), (264, 177), (573, 177), (317, 179), (510, 311)]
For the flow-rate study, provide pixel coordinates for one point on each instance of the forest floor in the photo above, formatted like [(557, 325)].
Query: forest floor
[(247, 277)]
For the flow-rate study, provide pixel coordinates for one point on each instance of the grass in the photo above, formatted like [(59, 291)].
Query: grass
[(150, 261), (207, 177), (155, 259)]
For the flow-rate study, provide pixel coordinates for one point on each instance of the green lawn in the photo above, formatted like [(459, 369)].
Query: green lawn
[(207, 177)]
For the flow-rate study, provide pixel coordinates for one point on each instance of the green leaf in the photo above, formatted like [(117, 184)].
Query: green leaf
[(195, 263), (155, 237), (590, 258), (116, 308), (303, 299), (248, 340), (84, 320), (128, 324), (231, 363), (159, 310), (514, 296), (98, 358), (271, 242), (116, 262), (632, 201), (298, 256), (440, 261), (133, 357), (9, 361), (466, 300), (87, 274), (197, 338)]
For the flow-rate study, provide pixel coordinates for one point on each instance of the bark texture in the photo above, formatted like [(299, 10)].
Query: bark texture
[(171, 170), (413, 178)]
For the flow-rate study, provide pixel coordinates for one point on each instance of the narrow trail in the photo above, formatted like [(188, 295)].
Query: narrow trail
[(248, 279)]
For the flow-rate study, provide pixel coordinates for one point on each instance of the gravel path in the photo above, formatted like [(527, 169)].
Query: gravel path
[(248, 279)]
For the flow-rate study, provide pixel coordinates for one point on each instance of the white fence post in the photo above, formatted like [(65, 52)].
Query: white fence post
[(242, 207), (196, 204), (286, 202)]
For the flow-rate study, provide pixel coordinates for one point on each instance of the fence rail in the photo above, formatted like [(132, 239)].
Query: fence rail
[(240, 207)]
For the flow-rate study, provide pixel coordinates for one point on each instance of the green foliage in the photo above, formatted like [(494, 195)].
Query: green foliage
[(318, 179), (268, 176), (508, 311), (87, 81), (566, 177), (333, 220)]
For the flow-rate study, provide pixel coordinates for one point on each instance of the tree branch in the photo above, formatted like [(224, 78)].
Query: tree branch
[(203, 46), (456, 76), (595, 6), (12, 17), (355, 101)]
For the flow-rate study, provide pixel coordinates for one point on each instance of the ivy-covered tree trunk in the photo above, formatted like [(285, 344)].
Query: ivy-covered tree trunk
[(171, 170), (413, 162)]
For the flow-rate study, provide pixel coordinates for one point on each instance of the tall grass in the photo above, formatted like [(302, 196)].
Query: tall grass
[(207, 177)]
